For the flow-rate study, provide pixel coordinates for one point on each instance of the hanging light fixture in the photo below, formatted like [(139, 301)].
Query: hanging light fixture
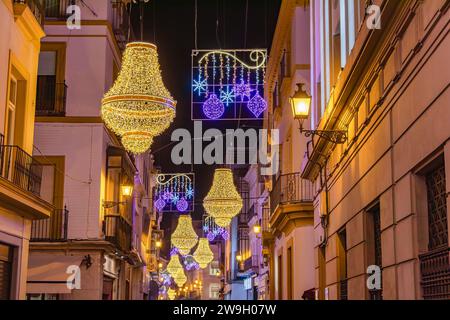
[(203, 255), (223, 201), (184, 236), (174, 266), (171, 294), (180, 278), (138, 107)]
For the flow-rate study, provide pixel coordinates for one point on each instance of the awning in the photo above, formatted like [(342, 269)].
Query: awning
[(47, 273)]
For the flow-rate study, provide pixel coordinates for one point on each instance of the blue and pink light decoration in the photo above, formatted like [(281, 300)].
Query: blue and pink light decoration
[(212, 231), (174, 193), (228, 84)]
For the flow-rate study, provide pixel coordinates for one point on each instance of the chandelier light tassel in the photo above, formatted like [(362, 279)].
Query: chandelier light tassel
[(184, 236), (223, 201), (203, 255), (180, 278), (138, 107)]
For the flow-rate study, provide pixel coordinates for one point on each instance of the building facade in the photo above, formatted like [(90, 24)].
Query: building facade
[(99, 237), (21, 175), (288, 214), (383, 197), (374, 74)]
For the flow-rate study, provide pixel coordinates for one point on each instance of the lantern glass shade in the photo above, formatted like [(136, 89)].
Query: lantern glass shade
[(257, 229), (138, 107), (203, 254), (300, 104), (127, 190), (223, 201), (184, 236)]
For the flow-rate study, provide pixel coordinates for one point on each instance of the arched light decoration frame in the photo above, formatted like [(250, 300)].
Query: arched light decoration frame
[(138, 107), (223, 201), (203, 254), (184, 236)]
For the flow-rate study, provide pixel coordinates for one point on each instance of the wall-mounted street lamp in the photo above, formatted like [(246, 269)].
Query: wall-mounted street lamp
[(158, 244), (301, 105), (126, 191), (257, 229)]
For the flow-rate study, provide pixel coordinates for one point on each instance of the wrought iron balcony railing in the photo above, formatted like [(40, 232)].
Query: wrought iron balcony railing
[(57, 9), (118, 231), (121, 23), (435, 273), (50, 97), (36, 7), (53, 229), (290, 188), (20, 168)]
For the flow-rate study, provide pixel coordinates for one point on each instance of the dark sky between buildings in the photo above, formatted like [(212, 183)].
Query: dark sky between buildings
[(221, 25)]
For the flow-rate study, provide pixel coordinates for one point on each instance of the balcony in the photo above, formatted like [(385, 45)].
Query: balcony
[(20, 168), (117, 231), (57, 9), (435, 273), (53, 229), (267, 236), (36, 8), (121, 23), (291, 203), (290, 189), (50, 97)]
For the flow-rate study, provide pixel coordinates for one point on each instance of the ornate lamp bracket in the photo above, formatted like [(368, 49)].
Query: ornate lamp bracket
[(333, 136)]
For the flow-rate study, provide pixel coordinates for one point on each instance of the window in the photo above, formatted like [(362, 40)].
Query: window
[(214, 290), (342, 264), (280, 277), (437, 208), (373, 232), (45, 296), (289, 274), (322, 273), (51, 88), (11, 111), (6, 255), (214, 268)]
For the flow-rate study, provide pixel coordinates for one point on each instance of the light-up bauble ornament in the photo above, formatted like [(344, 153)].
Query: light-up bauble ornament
[(160, 204), (213, 108), (257, 105), (223, 201), (138, 106), (182, 205), (174, 266), (184, 236), (203, 254)]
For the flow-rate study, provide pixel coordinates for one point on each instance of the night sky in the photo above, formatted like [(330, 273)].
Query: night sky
[(171, 25)]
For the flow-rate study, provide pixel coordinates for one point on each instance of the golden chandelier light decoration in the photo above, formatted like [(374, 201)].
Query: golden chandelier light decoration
[(184, 236), (203, 255), (174, 266), (223, 201), (179, 278), (138, 107), (171, 294)]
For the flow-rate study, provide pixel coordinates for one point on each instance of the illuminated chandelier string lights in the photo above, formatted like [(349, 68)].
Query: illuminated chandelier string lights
[(174, 266), (138, 107), (184, 236), (223, 201), (203, 254), (171, 294)]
